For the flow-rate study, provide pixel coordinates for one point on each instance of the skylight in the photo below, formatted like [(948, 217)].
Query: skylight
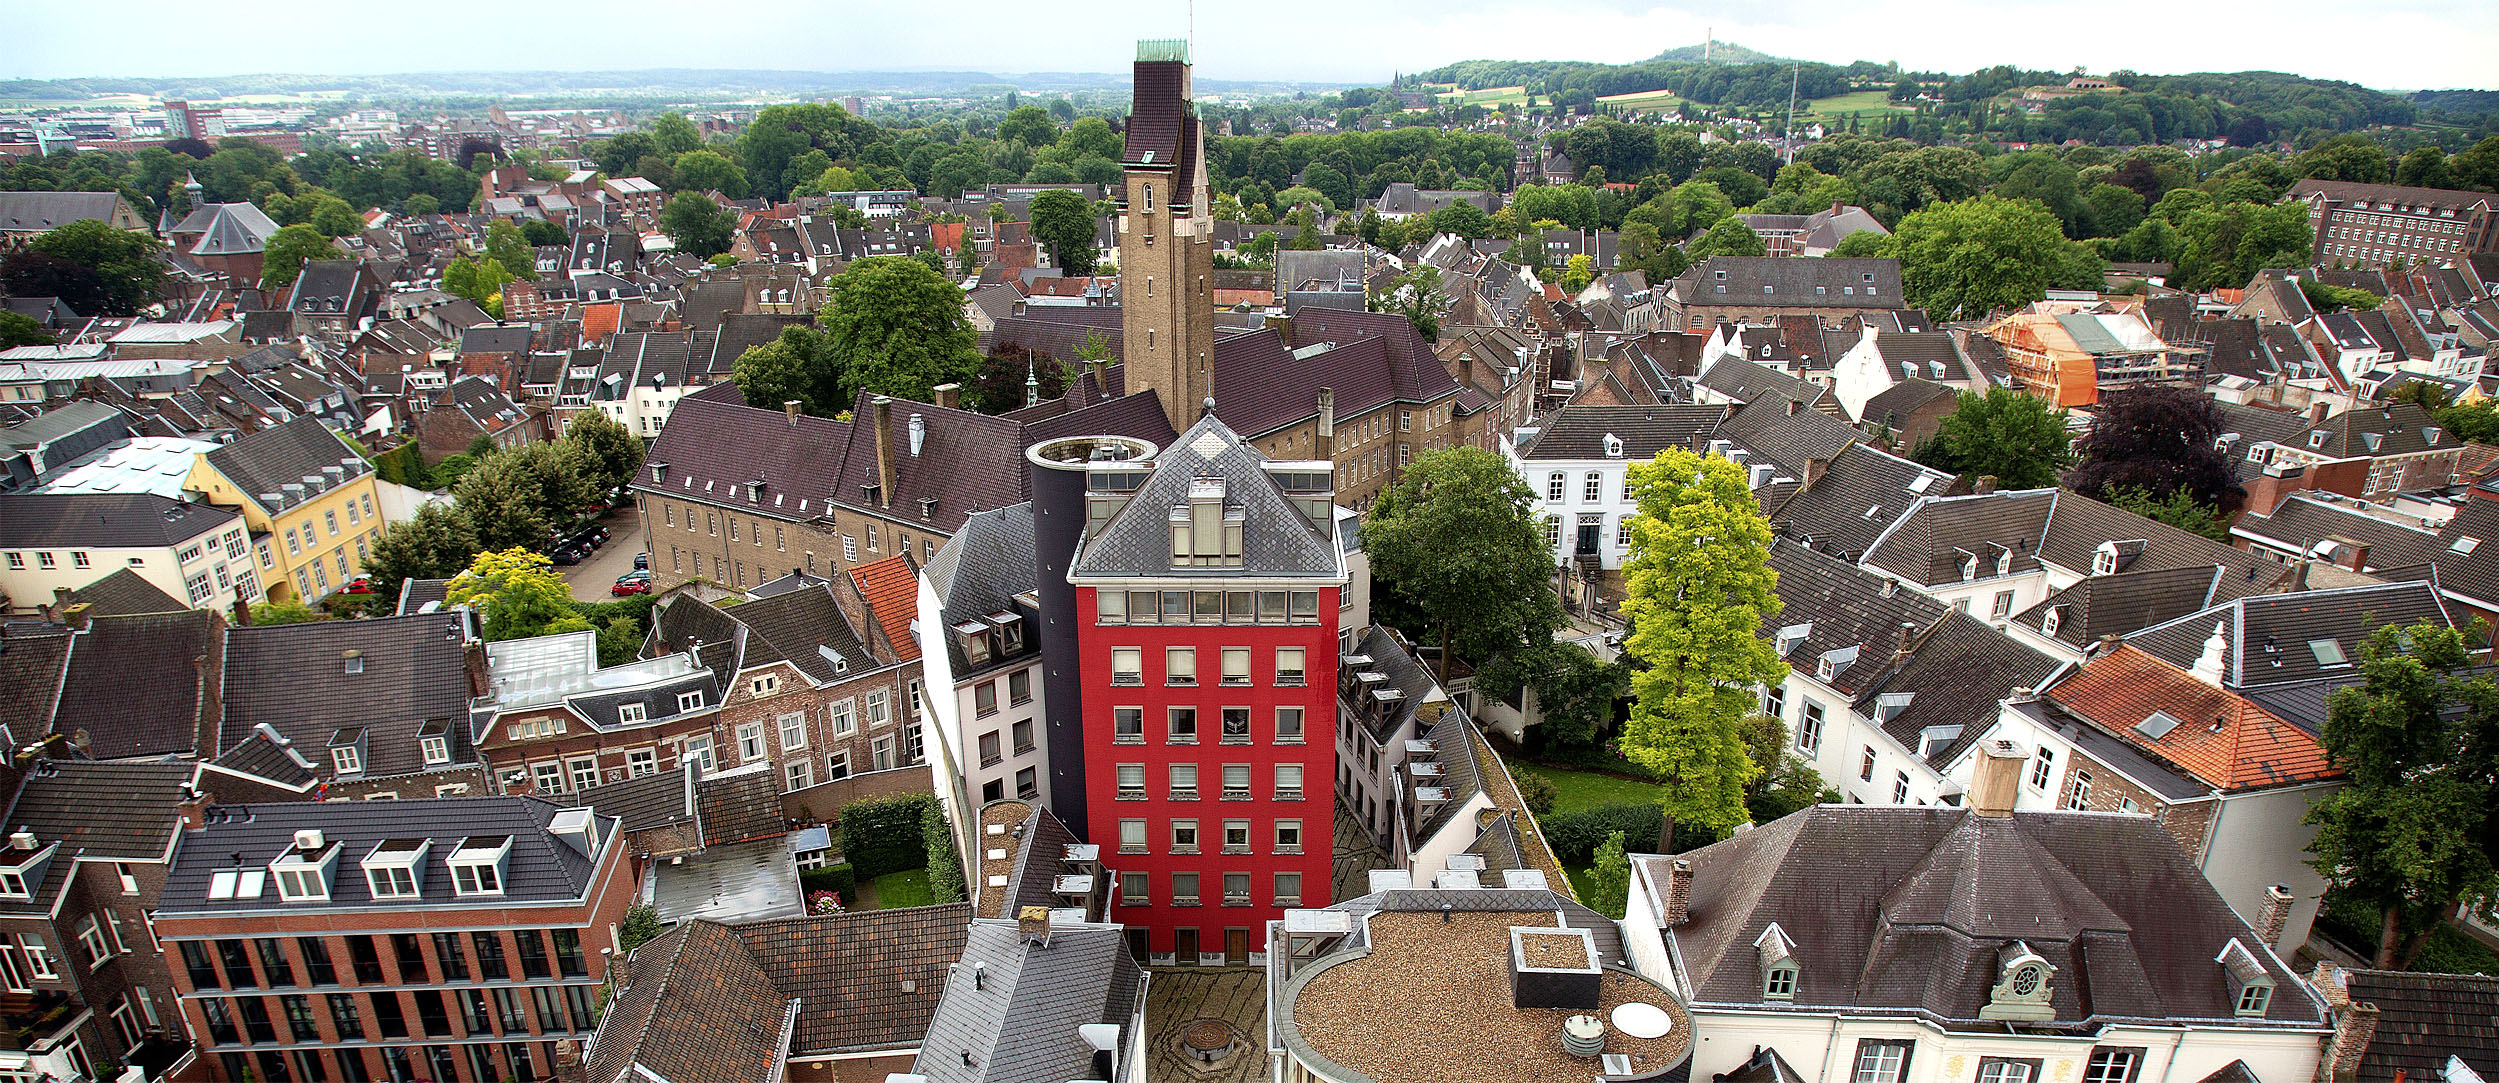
[(2464, 544), (2157, 725), (2328, 652)]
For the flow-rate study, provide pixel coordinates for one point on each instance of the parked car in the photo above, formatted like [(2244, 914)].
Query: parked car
[(637, 582), (358, 585), (568, 554), (642, 562)]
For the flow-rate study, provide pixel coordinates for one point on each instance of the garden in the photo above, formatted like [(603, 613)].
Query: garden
[(896, 852)]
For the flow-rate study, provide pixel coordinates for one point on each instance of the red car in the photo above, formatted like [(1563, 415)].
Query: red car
[(358, 585), (631, 583)]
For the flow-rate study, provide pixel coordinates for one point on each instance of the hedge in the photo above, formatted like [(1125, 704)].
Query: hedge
[(945, 870), (1576, 835), (838, 878), (885, 835)]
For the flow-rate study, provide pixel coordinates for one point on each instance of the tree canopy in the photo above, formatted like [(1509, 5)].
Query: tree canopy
[(124, 263), (520, 594), (1064, 221), (1964, 260), (2018, 439), (698, 226), (1457, 547), (2158, 440), (2414, 829), (1698, 586), (895, 327)]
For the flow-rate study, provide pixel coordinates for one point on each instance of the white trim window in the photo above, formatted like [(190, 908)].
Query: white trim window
[(793, 726), (842, 717), (751, 742)]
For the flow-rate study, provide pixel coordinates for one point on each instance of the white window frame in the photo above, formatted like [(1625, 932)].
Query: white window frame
[(791, 727)]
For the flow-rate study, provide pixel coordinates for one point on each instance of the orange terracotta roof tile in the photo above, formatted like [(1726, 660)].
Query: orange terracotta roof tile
[(600, 321), (2220, 737), (892, 587), (946, 235)]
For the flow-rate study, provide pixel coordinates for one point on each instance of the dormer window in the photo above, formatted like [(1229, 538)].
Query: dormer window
[(303, 871), (395, 868), (2022, 991), (347, 760), (1778, 963), (1613, 446), (351, 662), (974, 636), (690, 702), (1833, 662), (1779, 983), (477, 866), (2104, 561), (2251, 987), (1205, 532), (437, 750), (2055, 617)]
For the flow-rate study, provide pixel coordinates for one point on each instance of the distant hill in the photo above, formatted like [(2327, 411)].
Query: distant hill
[(673, 83), (1724, 52), (2457, 106)]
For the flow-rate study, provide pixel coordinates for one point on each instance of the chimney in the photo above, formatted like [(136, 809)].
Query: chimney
[(1813, 473), (884, 451), (242, 611), (194, 809), (481, 679), (2277, 914), (76, 616), (1678, 892), (1034, 923), (1908, 638), (2299, 575), (60, 601), (1327, 423), (948, 396), (789, 407), (1793, 407), (2354, 1026), (919, 434), (1995, 779), (1985, 484), (2359, 559), (2317, 411)]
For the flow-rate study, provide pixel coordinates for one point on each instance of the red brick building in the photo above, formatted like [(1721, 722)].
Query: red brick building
[(1205, 609), (445, 940)]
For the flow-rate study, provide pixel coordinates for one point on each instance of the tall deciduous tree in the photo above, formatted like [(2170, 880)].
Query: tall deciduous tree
[(505, 244), (436, 543), (793, 367), (2159, 440), (1963, 260), (1457, 547), (1730, 237), (2414, 832), (604, 452), (895, 327), (1064, 221), (698, 226), (17, 330), (520, 595), (284, 255), (2018, 439), (124, 262), (1698, 586)]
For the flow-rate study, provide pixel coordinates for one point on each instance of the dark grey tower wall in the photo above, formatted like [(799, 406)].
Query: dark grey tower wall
[(1057, 472)]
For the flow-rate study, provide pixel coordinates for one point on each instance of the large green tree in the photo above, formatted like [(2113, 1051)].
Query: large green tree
[(2018, 439), (520, 595), (1730, 237), (1457, 547), (698, 226), (2414, 830), (436, 543), (17, 330), (125, 262), (283, 256), (791, 368), (507, 245), (2158, 440), (1964, 260), (604, 452), (1698, 586), (1065, 222), (895, 327)]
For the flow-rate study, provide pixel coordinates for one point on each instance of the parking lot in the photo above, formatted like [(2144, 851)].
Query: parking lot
[(591, 578)]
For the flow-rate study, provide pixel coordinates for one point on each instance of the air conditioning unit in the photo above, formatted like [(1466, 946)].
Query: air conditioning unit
[(308, 839)]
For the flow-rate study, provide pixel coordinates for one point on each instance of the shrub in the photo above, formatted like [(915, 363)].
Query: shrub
[(641, 926), (838, 878), (1533, 790), (885, 835), (945, 870), (1576, 835)]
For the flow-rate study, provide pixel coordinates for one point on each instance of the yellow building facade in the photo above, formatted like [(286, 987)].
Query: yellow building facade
[(309, 500)]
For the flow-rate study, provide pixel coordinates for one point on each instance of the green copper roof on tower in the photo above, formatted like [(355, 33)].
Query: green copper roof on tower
[(1163, 49)]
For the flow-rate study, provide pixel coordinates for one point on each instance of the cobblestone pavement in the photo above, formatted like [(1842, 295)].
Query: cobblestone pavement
[(1178, 996), (1356, 855)]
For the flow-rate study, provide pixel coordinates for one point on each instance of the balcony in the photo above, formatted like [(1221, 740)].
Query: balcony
[(33, 1021)]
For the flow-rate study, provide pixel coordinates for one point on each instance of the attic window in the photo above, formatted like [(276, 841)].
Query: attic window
[(1834, 661), (351, 661), (477, 866), (2464, 545), (2329, 653), (391, 870), (1779, 983), (2316, 439), (2157, 725), (2104, 562)]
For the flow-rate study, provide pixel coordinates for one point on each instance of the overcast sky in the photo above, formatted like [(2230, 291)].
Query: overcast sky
[(2390, 44)]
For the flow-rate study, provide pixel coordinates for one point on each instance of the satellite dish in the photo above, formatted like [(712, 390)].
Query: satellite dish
[(1643, 1020)]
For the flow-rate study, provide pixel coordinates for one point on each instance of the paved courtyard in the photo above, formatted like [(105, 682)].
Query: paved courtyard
[(1356, 856), (1179, 996)]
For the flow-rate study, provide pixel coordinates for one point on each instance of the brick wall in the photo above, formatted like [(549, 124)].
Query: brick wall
[(2110, 792), (823, 802)]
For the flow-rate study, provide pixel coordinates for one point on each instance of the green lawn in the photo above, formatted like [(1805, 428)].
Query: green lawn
[(909, 887), (1647, 99), (1860, 101), (1575, 790)]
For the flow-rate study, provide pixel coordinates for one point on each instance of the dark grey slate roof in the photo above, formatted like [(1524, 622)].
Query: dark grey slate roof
[(1903, 398), (291, 677), (415, 594), (2272, 639), (1579, 431), (267, 461), (103, 520), (1276, 539), (274, 758), (135, 686), (113, 810), (1746, 382), (124, 592), (2302, 521), (2059, 527), (541, 868), (38, 212), (1766, 281), (2398, 429), (661, 799), (1020, 1024), (2114, 605), (1859, 496), (2423, 1019), (31, 668), (1904, 909), (847, 972), (980, 570)]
